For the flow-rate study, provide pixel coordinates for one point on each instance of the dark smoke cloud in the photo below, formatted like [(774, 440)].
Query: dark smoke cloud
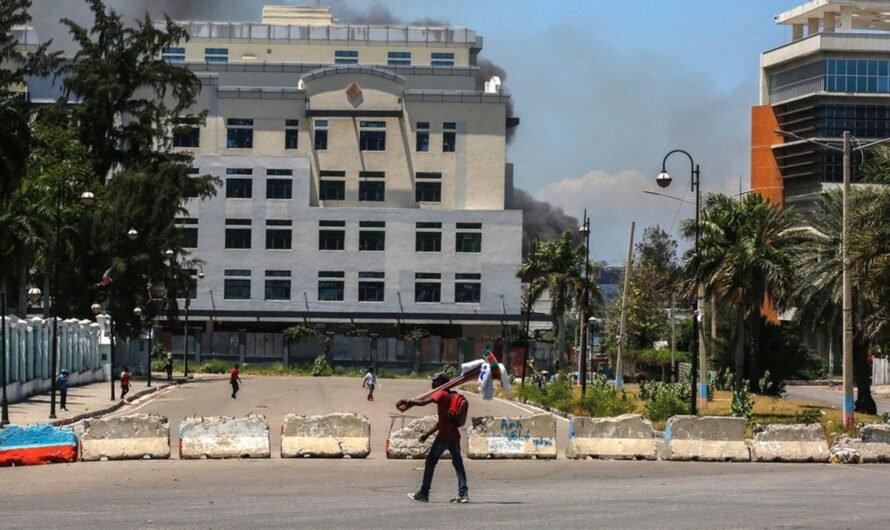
[(540, 218)]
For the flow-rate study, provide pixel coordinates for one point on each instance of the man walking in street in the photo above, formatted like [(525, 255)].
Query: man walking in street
[(450, 417), (370, 382), (169, 366), (63, 389), (125, 383), (234, 379)]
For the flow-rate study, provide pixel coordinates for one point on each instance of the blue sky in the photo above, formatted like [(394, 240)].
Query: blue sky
[(603, 88)]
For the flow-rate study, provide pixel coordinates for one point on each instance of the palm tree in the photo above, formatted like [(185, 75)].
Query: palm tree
[(744, 261), (557, 268)]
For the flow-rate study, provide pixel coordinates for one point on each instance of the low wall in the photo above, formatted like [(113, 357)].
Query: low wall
[(873, 445), (222, 437), (789, 443), (36, 444), (533, 437), (329, 436), (625, 437), (130, 437), (710, 438)]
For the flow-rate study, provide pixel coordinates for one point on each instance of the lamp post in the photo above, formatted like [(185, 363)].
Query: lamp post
[(699, 369), (584, 230), (137, 312), (532, 254), (96, 308), (4, 419)]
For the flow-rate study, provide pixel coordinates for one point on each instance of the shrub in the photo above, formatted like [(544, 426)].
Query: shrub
[(321, 367), (213, 366), (664, 400), (743, 403), (601, 400)]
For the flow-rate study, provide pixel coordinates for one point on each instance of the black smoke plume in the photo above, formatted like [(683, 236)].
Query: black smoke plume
[(540, 218)]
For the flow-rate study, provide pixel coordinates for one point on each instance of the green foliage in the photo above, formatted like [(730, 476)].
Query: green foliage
[(321, 367), (602, 401), (452, 370), (299, 332), (214, 366), (664, 400), (808, 416), (743, 403)]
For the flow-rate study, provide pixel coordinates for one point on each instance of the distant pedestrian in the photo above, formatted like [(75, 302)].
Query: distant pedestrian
[(370, 382), (125, 383), (234, 379), (169, 366), (63, 389), (452, 411)]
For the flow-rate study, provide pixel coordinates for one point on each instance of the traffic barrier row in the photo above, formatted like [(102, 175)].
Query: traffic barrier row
[(342, 435)]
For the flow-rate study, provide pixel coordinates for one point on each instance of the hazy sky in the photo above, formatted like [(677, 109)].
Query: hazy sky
[(603, 88)]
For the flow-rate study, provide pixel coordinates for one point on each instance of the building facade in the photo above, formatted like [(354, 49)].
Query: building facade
[(833, 76), (363, 177)]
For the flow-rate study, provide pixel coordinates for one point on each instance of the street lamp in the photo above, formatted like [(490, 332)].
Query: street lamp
[(664, 180), (96, 308), (4, 419), (532, 255), (584, 230)]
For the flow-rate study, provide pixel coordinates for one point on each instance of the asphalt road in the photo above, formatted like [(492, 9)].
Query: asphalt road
[(371, 493), (832, 396)]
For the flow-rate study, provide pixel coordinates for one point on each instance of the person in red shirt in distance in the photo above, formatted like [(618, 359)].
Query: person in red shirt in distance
[(234, 379), (447, 439)]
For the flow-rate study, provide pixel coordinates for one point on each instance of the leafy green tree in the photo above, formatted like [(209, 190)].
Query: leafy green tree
[(745, 261), (129, 101)]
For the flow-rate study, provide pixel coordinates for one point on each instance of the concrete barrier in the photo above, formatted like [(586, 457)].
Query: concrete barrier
[(533, 437), (130, 437), (222, 437), (404, 443), (36, 444), (709, 439), (330, 436), (625, 437), (873, 445), (789, 443)]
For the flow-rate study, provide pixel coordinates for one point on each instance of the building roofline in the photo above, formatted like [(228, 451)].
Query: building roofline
[(341, 69)]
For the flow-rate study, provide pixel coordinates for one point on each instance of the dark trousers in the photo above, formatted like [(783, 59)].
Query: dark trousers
[(234, 388), (124, 390), (439, 447), (169, 371), (63, 397), (370, 392)]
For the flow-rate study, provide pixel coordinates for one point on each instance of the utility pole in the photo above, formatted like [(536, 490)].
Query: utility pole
[(848, 291), (622, 329), (673, 338), (585, 303)]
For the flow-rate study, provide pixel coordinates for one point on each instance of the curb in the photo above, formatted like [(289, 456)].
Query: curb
[(107, 410)]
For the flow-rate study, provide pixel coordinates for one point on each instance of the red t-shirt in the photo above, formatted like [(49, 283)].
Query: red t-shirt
[(447, 430), (234, 376), (125, 379)]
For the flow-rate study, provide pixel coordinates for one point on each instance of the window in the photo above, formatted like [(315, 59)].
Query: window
[(189, 233), (428, 237), (278, 238), (369, 239), (321, 135), (427, 287), (468, 237), (239, 133), (186, 133), (332, 185), (239, 188), (330, 286), (422, 138), (236, 289), (239, 171), (173, 55), (370, 286), (291, 134), (216, 55), (237, 238), (277, 288), (467, 288), (331, 235), (442, 59), (279, 188), (428, 187), (399, 59), (371, 186), (345, 57), (372, 136), (449, 137)]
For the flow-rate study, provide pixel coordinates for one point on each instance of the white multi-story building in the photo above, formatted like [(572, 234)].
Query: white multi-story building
[(363, 174)]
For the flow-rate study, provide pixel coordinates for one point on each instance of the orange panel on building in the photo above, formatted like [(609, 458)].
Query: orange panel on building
[(765, 176)]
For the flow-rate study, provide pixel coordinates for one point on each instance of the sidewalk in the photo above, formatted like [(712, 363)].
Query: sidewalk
[(94, 398)]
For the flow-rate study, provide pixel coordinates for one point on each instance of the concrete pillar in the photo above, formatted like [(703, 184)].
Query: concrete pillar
[(846, 20), (829, 22), (796, 31), (812, 26)]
